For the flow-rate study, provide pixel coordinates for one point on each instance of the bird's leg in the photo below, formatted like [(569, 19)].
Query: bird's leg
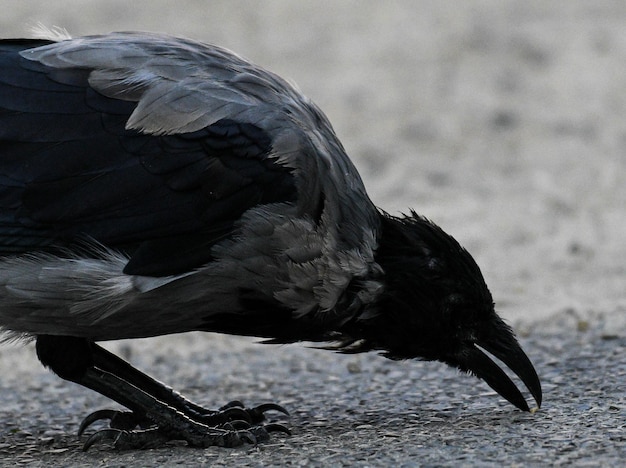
[(232, 411), (161, 413), (168, 422)]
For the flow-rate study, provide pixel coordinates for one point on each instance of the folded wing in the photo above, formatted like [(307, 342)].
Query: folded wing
[(155, 146)]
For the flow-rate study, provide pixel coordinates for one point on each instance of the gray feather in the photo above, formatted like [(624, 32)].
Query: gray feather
[(303, 259)]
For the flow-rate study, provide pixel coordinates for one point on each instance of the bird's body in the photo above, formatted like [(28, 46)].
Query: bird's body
[(153, 185), (248, 192)]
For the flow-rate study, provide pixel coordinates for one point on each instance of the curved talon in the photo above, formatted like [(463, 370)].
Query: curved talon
[(239, 424), (232, 404), (257, 414), (276, 427), (262, 408), (105, 435), (93, 417), (236, 413), (123, 420)]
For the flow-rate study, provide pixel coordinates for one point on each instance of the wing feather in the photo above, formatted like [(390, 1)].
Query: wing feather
[(185, 162), (70, 169), (181, 85)]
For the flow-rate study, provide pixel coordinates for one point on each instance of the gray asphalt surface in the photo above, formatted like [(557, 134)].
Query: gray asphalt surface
[(347, 410), (503, 121)]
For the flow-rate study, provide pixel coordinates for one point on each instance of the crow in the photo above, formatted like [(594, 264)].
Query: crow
[(152, 185)]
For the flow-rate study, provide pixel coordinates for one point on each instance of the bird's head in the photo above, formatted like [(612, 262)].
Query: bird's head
[(436, 306)]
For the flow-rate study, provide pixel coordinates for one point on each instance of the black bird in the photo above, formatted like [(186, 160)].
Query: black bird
[(153, 185)]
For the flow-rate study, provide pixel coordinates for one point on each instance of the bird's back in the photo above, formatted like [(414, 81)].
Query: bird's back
[(154, 185)]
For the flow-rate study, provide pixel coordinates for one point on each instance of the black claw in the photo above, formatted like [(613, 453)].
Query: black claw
[(105, 435), (123, 420), (270, 407), (276, 427), (93, 417), (257, 414), (236, 413), (232, 404), (239, 424)]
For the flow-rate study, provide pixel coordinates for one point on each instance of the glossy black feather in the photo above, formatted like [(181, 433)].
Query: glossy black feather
[(71, 171)]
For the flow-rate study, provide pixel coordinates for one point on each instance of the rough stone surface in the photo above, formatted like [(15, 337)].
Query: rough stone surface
[(345, 410)]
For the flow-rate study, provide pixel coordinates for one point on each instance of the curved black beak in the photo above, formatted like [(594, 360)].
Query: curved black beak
[(505, 348)]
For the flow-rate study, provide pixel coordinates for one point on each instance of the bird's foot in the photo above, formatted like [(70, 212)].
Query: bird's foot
[(230, 426), (237, 411), (226, 436)]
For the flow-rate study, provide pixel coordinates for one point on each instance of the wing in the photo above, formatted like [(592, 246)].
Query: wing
[(152, 145)]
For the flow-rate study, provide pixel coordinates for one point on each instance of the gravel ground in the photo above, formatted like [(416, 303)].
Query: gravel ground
[(503, 122)]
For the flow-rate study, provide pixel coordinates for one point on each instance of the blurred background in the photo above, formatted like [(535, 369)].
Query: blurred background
[(503, 121)]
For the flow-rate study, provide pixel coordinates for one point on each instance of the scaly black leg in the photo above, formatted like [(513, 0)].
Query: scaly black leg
[(232, 411), (161, 413)]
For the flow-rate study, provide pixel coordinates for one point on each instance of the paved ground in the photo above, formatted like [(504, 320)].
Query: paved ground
[(347, 410), (501, 120)]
